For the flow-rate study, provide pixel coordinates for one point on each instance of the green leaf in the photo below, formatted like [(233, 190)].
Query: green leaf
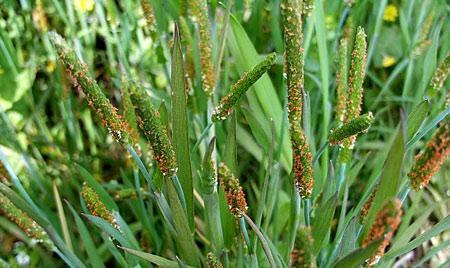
[(180, 127), (358, 256), (417, 117), (390, 177), (184, 239), (158, 260), (321, 223)]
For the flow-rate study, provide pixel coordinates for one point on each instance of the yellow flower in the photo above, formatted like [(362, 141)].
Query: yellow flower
[(388, 61), (50, 66), (84, 5), (390, 13)]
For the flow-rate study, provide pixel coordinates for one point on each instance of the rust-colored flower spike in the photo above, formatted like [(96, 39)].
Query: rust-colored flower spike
[(302, 255), (293, 57), (225, 107), (386, 222), (366, 207), (430, 161), (154, 131), (97, 100), (302, 162), (212, 261), (358, 125), (355, 89), (341, 80), (96, 206), (3, 174), (24, 222), (439, 76), (233, 191), (148, 13), (200, 13)]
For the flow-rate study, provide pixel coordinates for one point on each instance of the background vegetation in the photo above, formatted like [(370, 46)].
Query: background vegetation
[(51, 142)]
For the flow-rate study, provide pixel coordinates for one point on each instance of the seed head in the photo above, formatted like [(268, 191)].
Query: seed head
[(430, 161), (302, 162), (24, 222), (357, 73), (341, 80), (213, 262), (386, 223), (233, 191), (200, 13), (96, 206), (355, 90), (95, 97), (148, 13), (128, 108), (350, 129), (302, 255), (225, 107), (439, 76), (293, 57), (366, 208), (154, 131)]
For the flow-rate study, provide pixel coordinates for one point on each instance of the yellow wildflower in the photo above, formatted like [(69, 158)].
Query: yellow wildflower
[(84, 5), (388, 61), (390, 13), (50, 66)]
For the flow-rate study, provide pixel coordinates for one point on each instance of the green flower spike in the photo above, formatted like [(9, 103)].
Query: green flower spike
[(225, 107), (128, 109), (293, 57), (24, 222), (96, 206), (302, 256), (355, 89), (233, 191), (212, 261), (358, 125), (431, 160), (154, 131), (94, 95), (341, 80), (200, 13), (439, 76)]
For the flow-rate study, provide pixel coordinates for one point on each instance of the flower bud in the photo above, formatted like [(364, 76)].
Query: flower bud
[(233, 191)]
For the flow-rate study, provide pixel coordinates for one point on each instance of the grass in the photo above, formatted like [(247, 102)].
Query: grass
[(285, 133)]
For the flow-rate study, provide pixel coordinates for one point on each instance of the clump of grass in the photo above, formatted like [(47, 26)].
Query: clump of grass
[(269, 202)]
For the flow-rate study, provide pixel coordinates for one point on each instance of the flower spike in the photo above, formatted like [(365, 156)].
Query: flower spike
[(233, 191), (302, 255), (431, 160), (225, 107), (358, 125), (96, 206), (97, 100), (386, 223), (154, 131)]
